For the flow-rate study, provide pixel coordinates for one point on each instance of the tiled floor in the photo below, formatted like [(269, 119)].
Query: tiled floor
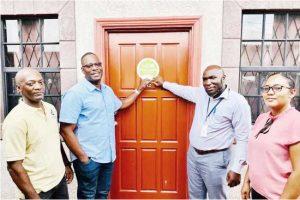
[(8, 188)]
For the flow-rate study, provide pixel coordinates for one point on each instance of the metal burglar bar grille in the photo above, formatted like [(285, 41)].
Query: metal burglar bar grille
[(31, 42), (270, 42)]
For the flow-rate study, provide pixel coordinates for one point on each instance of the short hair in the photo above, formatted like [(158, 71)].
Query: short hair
[(290, 80), (22, 73), (86, 54)]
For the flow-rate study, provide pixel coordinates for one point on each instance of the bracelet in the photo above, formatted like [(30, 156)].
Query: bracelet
[(137, 91)]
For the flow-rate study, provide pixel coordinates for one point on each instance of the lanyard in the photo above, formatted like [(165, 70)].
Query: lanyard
[(214, 108)]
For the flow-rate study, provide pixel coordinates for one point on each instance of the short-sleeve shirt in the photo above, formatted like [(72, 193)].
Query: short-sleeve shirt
[(93, 111), (268, 154), (31, 135)]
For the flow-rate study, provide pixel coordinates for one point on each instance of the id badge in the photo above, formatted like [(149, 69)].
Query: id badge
[(204, 130)]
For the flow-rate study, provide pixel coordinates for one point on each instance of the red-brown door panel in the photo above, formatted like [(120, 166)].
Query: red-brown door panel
[(151, 135)]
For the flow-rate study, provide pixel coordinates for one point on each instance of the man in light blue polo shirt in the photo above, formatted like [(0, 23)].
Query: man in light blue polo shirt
[(88, 128)]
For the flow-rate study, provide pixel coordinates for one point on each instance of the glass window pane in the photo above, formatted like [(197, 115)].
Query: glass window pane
[(257, 107), (12, 102), (52, 86), (273, 54), (252, 26), (250, 88), (11, 31), (12, 95), (30, 30), (262, 106), (50, 30), (292, 54), (12, 56), (11, 83), (253, 102), (52, 83), (51, 56), (55, 101), (250, 83), (296, 102), (294, 26), (31, 55), (275, 26), (251, 54), (296, 77)]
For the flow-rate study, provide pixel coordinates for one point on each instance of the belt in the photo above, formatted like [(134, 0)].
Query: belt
[(203, 152)]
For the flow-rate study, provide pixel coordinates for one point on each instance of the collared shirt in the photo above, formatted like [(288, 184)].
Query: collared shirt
[(230, 119), (31, 135), (269, 157), (93, 112)]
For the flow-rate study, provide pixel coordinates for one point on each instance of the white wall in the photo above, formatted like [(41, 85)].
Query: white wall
[(86, 11)]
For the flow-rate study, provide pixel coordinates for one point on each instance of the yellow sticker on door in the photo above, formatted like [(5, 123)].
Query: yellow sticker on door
[(147, 68)]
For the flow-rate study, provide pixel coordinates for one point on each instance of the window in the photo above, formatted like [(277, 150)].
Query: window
[(31, 42), (270, 43)]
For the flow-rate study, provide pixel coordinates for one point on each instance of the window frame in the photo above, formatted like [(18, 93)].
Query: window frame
[(7, 70), (263, 68)]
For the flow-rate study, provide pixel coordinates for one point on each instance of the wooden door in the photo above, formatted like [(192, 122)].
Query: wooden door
[(151, 135)]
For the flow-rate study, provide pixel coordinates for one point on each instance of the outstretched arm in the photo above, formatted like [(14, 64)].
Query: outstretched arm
[(186, 92), (132, 97)]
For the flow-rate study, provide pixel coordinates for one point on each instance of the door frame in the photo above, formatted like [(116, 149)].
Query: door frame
[(193, 25)]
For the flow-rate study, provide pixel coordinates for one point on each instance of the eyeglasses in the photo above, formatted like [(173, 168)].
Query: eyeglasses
[(266, 127), (275, 88), (90, 65)]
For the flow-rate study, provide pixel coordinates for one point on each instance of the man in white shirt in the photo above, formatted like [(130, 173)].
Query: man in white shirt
[(221, 115)]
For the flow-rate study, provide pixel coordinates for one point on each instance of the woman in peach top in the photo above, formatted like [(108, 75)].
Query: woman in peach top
[(274, 145)]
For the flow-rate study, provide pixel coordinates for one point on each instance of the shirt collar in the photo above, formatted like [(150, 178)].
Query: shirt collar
[(28, 107), (91, 87), (281, 114), (225, 93)]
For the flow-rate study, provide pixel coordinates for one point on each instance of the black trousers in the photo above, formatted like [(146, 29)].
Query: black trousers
[(60, 191), (256, 195)]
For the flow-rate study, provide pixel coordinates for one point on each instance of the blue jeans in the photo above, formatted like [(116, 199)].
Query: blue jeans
[(94, 179)]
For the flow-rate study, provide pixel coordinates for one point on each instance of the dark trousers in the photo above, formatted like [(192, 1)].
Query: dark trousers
[(94, 179), (58, 192), (256, 195)]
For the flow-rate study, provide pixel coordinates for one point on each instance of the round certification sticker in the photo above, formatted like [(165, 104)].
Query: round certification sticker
[(147, 68)]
